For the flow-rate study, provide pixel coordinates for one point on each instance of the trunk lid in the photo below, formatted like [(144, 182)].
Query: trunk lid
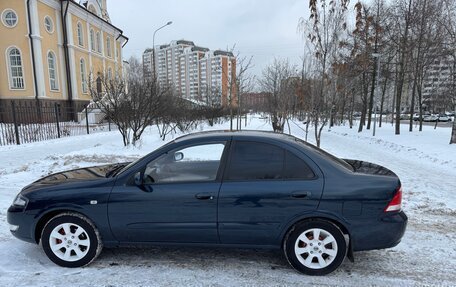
[(365, 167)]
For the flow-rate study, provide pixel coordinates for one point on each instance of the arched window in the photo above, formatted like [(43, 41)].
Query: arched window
[(92, 40), (109, 74), (93, 9), (80, 35), (108, 46), (15, 68), (83, 76), (98, 42), (52, 71)]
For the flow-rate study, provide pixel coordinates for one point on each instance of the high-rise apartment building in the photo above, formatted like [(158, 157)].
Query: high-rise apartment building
[(438, 83), (196, 73)]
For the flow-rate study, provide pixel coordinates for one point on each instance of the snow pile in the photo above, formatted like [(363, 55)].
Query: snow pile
[(424, 161)]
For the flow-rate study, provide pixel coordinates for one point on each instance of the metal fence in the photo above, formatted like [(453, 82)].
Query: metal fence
[(29, 122)]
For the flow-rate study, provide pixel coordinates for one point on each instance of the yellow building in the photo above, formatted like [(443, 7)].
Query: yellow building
[(51, 48)]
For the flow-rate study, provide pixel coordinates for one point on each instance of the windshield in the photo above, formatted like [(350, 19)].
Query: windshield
[(127, 166)]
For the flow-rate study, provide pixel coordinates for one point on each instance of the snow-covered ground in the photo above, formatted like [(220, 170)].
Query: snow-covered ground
[(424, 161)]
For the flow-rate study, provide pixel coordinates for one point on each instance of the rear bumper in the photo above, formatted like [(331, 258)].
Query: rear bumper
[(386, 232)]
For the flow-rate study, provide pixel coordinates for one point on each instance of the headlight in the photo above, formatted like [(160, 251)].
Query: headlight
[(20, 201)]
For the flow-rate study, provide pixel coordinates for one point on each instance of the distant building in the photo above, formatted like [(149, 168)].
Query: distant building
[(438, 83), (257, 102), (196, 73), (52, 47)]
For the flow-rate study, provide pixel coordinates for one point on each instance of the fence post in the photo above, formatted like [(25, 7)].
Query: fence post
[(109, 123), (87, 118), (16, 129), (56, 110)]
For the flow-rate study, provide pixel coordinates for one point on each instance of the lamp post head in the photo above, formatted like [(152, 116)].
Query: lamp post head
[(169, 23)]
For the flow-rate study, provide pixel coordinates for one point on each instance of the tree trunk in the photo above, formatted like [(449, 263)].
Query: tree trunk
[(371, 98), (352, 107), (453, 133), (342, 108), (412, 105), (402, 65), (382, 102), (418, 61), (420, 105), (394, 96), (374, 72), (362, 121)]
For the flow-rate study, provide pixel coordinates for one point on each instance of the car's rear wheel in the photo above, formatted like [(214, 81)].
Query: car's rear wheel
[(315, 247), (71, 240)]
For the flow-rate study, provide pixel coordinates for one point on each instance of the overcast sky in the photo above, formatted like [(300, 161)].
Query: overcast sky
[(263, 29)]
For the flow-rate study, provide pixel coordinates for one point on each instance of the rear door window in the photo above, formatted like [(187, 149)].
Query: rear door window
[(263, 161), (255, 161), (296, 168)]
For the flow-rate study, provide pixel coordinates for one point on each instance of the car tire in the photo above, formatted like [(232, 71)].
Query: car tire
[(71, 240), (312, 256)]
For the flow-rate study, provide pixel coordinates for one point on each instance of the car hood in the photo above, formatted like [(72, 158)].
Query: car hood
[(74, 176), (365, 167)]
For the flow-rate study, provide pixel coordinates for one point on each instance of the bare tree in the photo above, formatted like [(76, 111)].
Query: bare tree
[(324, 30), (211, 106), (244, 82), (403, 18), (279, 81), (133, 110)]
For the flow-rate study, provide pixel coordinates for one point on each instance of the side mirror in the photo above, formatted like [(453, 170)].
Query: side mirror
[(139, 179), (178, 156)]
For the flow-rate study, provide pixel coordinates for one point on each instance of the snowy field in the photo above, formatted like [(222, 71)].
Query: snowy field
[(424, 161)]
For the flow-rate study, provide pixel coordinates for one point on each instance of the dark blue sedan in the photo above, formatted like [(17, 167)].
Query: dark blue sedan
[(241, 189)]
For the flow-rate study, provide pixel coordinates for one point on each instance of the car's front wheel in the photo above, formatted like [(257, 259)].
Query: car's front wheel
[(71, 240), (315, 247)]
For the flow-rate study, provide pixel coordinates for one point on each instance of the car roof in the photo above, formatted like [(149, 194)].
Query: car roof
[(242, 133), (319, 156)]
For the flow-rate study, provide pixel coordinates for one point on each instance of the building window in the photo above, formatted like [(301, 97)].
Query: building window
[(83, 77), (98, 42), (52, 72), (109, 74), (9, 18), (15, 68), (108, 46), (92, 40), (48, 24), (93, 10), (80, 35)]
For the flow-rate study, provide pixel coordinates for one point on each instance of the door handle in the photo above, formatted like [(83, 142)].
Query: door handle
[(204, 196), (301, 194)]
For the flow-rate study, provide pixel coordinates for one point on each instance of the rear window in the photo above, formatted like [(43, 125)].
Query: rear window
[(325, 154)]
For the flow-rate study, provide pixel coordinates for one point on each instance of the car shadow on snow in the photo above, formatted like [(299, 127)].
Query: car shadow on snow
[(204, 259), (191, 257)]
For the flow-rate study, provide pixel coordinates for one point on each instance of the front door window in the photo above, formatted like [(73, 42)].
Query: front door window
[(198, 163)]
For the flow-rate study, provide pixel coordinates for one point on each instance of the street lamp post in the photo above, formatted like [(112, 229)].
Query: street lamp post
[(153, 46), (377, 56)]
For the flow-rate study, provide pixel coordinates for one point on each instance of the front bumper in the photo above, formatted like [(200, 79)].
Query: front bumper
[(21, 224), (386, 232)]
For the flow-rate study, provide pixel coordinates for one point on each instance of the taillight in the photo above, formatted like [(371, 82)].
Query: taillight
[(396, 203)]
